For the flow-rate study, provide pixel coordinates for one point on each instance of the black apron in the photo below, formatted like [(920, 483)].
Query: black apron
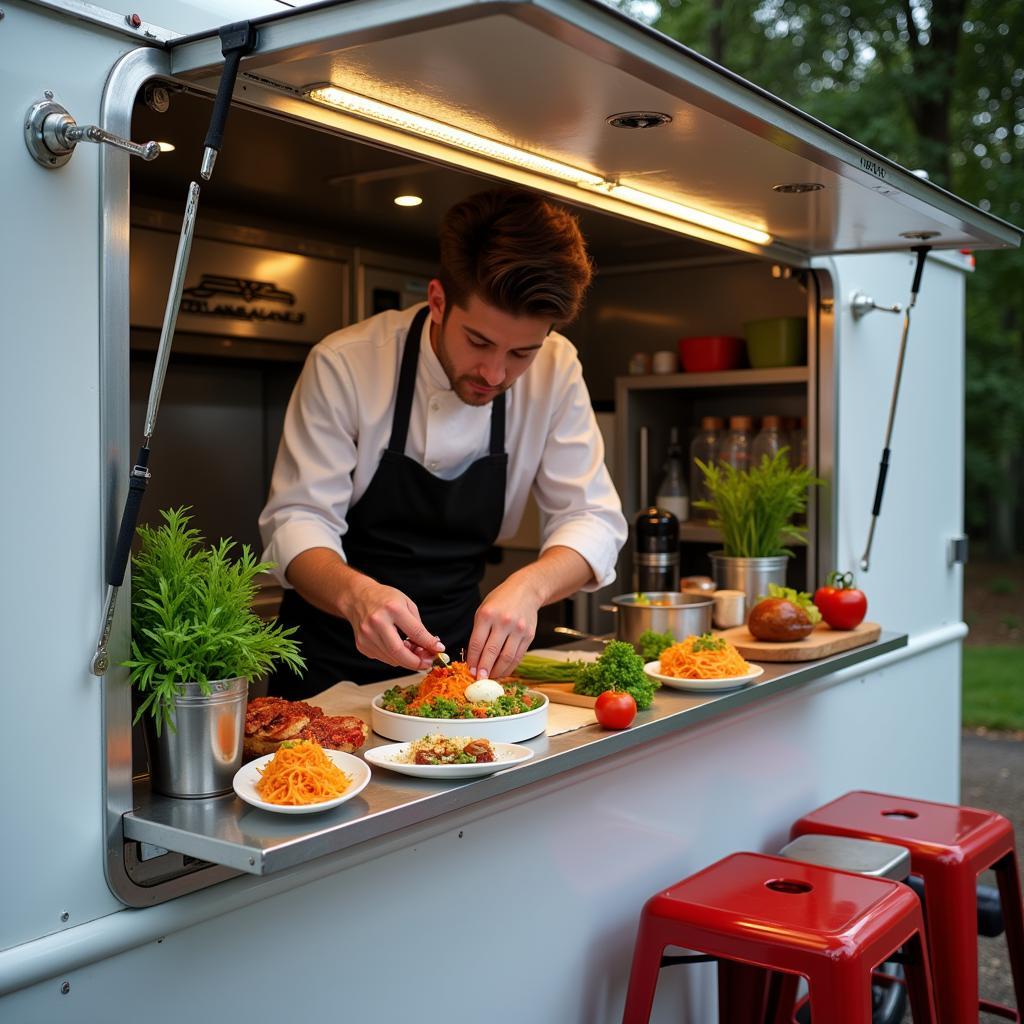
[(410, 530)]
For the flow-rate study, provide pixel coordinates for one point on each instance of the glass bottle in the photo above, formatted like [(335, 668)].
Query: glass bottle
[(673, 495), (769, 440), (704, 447), (734, 445)]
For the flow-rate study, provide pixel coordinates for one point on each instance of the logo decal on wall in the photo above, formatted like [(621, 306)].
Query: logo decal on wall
[(253, 295)]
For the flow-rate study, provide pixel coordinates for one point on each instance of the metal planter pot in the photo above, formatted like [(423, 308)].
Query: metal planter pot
[(751, 575), (682, 615), (200, 756)]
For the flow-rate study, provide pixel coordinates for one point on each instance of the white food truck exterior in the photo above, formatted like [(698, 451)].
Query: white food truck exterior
[(525, 905)]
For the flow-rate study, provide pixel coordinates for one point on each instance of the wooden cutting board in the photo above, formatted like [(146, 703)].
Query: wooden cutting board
[(820, 644), (561, 693)]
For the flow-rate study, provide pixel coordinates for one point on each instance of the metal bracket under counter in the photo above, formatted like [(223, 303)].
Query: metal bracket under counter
[(227, 832)]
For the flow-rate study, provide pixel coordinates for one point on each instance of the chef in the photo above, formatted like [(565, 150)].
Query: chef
[(411, 444)]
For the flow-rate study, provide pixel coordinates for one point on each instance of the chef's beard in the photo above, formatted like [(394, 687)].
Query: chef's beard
[(462, 385)]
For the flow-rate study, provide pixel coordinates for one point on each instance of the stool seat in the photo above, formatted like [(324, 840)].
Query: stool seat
[(862, 856), (767, 918), (926, 828)]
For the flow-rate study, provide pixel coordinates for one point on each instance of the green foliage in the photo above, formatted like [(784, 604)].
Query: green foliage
[(192, 618), (618, 668), (993, 696), (798, 597), (652, 644), (755, 508)]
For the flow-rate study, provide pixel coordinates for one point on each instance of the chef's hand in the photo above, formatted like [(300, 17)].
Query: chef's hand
[(503, 629), (380, 617)]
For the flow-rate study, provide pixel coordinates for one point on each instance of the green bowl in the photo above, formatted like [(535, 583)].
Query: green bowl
[(778, 341)]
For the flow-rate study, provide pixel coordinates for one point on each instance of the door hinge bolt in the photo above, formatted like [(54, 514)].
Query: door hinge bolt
[(65, 988), (65, 916)]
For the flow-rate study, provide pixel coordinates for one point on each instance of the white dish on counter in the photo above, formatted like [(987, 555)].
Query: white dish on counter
[(507, 729), (653, 669), (244, 784), (505, 755)]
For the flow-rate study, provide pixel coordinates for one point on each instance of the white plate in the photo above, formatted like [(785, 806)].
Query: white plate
[(653, 669), (248, 775), (507, 729), (505, 755)]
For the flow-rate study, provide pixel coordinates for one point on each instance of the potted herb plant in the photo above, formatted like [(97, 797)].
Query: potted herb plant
[(196, 645), (757, 510)]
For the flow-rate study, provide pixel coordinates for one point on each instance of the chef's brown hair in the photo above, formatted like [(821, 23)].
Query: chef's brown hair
[(517, 252)]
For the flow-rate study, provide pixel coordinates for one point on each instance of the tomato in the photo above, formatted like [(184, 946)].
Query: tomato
[(615, 709), (841, 604)]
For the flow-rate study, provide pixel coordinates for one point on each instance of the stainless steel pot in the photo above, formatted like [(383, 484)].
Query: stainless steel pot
[(664, 611), (200, 756)]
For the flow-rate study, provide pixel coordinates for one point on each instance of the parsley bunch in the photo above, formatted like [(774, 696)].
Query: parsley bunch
[(192, 617), (618, 668), (652, 643)]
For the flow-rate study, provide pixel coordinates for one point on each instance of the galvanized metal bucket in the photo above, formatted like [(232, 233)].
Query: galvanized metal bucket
[(200, 756), (751, 575)]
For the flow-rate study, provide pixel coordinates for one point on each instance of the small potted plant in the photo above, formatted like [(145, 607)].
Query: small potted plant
[(756, 510), (196, 645)]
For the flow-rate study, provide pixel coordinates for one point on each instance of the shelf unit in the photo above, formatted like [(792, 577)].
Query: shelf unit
[(655, 403)]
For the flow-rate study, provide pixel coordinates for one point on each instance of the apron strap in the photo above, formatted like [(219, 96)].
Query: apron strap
[(407, 387)]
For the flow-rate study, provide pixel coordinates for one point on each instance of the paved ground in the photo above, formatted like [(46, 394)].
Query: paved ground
[(992, 776)]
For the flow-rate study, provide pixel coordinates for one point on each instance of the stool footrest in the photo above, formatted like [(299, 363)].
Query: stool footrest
[(689, 958)]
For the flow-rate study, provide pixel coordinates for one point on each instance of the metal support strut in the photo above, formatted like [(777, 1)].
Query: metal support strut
[(883, 467), (237, 41)]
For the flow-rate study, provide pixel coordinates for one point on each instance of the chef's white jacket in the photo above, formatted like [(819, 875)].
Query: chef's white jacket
[(339, 422)]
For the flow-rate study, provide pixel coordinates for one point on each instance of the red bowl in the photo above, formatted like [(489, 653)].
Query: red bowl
[(711, 353)]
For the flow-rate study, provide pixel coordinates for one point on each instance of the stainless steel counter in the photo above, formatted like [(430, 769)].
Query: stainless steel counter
[(227, 831)]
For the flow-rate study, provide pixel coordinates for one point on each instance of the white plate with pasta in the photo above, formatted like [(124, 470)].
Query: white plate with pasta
[(248, 776), (653, 669), (398, 757)]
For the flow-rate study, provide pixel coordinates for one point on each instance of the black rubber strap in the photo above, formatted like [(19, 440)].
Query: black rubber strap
[(236, 41), (883, 470), (129, 517), (922, 254)]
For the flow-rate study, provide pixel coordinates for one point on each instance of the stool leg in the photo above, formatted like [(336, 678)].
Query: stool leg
[(1008, 877), (919, 981), (841, 994), (643, 976), (951, 911), (742, 992), (782, 998)]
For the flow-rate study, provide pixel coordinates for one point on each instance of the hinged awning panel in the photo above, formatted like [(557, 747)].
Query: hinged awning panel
[(545, 76)]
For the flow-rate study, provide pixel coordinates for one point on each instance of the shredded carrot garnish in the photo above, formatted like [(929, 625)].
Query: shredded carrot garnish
[(301, 773), (450, 682), (703, 658)]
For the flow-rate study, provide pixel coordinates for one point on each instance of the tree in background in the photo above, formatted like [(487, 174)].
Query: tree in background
[(936, 85)]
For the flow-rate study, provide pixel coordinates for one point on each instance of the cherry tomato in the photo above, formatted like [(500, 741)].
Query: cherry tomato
[(615, 709), (841, 604)]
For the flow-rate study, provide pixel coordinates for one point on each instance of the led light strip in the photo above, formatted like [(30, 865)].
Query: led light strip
[(457, 138)]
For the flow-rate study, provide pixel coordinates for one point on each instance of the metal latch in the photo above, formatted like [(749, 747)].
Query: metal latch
[(957, 551), (861, 304), (51, 135)]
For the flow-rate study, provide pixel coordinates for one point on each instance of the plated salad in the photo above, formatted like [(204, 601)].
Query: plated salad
[(451, 692)]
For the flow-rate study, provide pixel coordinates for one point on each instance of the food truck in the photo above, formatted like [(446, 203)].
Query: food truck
[(707, 204)]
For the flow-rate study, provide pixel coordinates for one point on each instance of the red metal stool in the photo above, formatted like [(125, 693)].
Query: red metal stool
[(949, 847), (758, 915)]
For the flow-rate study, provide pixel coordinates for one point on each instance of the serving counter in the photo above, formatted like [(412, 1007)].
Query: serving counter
[(228, 832)]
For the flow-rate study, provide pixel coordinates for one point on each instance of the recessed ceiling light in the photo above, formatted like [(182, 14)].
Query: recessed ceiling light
[(408, 200), (796, 187), (166, 147), (638, 119)]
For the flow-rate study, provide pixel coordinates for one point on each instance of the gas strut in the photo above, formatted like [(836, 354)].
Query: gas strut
[(883, 467), (236, 42)]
